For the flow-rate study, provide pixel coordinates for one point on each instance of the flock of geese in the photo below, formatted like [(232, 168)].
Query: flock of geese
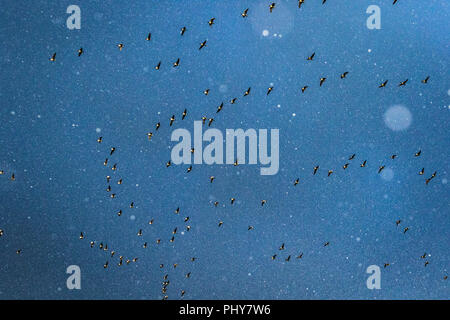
[(113, 182)]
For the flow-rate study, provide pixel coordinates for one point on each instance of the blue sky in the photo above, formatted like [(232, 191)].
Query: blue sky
[(53, 112)]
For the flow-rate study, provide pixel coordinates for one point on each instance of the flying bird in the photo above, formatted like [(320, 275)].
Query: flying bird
[(271, 7), (383, 84), (430, 178), (315, 170), (311, 57), (203, 44)]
